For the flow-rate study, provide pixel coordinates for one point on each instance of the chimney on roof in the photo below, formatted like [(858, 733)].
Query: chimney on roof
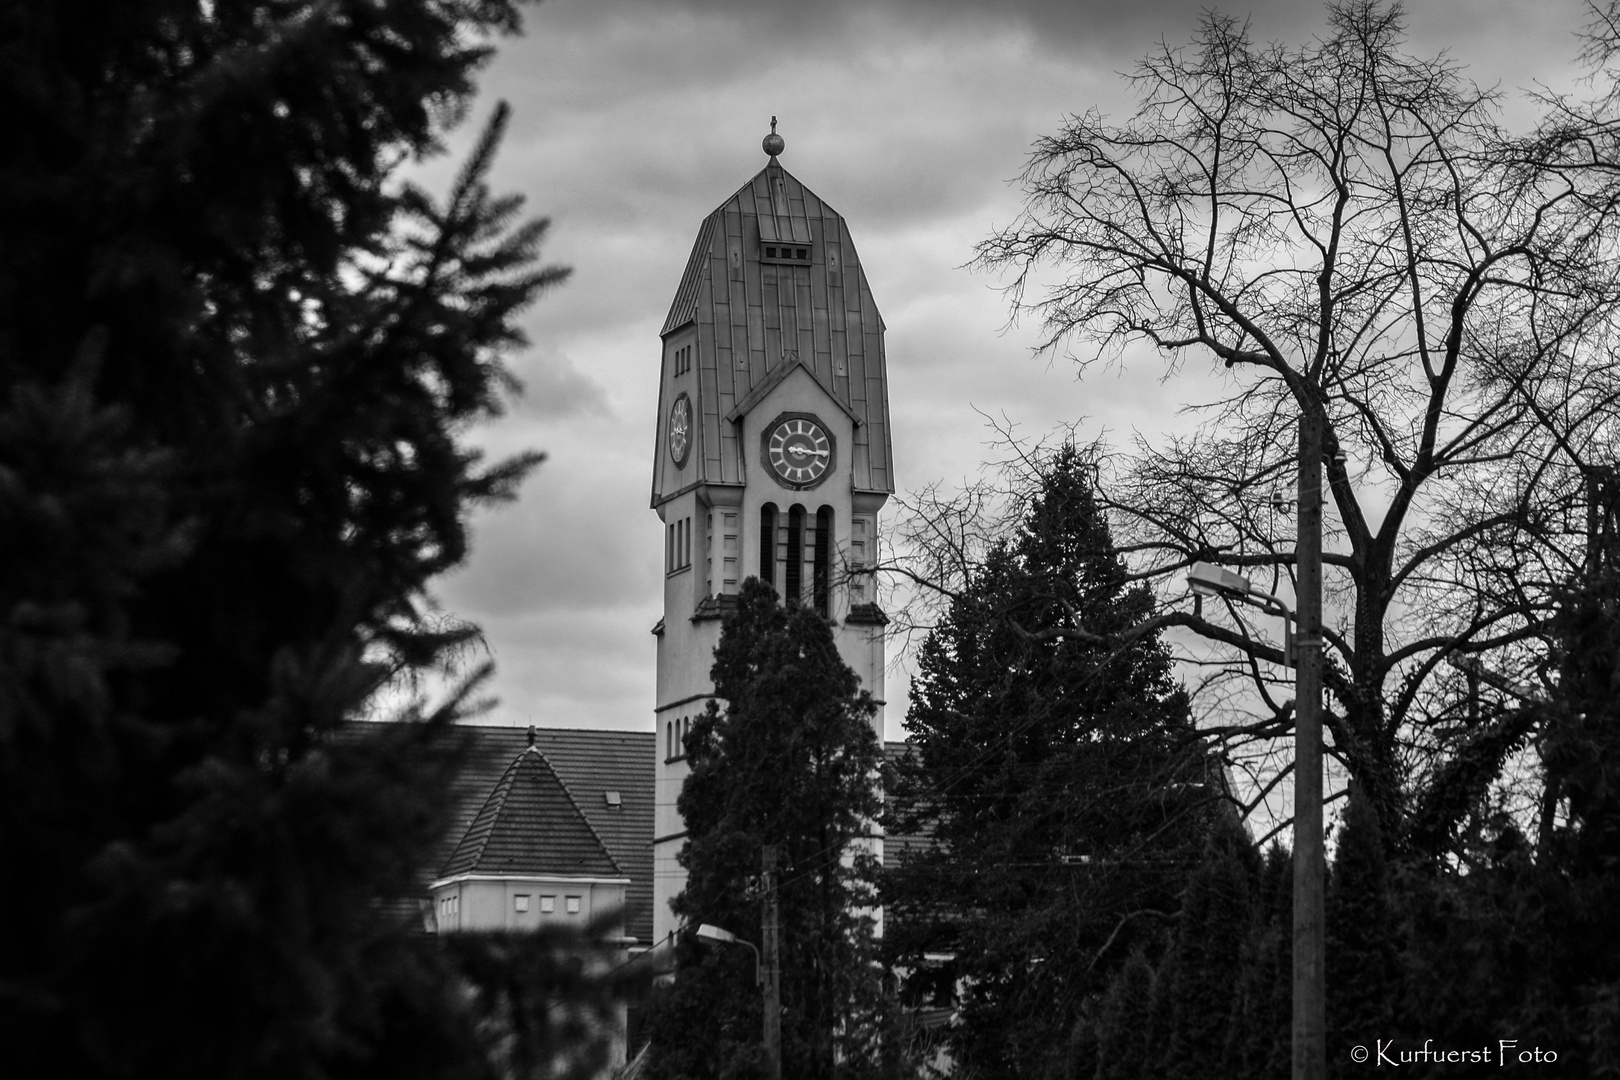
[(531, 736)]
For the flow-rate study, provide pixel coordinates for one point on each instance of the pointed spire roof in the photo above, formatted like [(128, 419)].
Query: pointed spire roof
[(530, 824), (773, 279)]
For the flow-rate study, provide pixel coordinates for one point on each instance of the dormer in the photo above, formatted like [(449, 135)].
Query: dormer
[(780, 240)]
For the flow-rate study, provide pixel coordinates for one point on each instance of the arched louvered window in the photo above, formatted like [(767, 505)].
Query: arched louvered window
[(793, 557), (767, 544), (821, 569)]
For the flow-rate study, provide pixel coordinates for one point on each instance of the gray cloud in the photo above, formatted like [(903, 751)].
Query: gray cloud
[(554, 387), (633, 119)]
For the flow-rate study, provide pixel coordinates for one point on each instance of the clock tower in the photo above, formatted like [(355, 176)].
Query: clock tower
[(773, 454)]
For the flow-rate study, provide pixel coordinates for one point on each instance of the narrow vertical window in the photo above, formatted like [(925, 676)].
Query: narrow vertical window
[(680, 544), (709, 577), (767, 544), (793, 570), (730, 555), (821, 572), (860, 547)]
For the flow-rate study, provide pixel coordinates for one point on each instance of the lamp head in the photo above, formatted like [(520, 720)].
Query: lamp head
[(1207, 579), (714, 933)]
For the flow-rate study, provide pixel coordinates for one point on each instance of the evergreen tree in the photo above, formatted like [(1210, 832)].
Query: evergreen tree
[(1056, 772), (1123, 1049), (237, 358), (1525, 941), (1217, 918), (1552, 918), (1260, 1041), (1363, 945), (792, 762)]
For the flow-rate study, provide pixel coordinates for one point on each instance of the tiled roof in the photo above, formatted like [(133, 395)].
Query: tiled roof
[(590, 764), (530, 824)]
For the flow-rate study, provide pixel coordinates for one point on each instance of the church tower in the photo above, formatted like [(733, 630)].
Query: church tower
[(773, 455)]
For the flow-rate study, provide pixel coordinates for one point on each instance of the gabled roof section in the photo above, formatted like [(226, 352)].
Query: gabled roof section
[(530, 824), (774, 379)]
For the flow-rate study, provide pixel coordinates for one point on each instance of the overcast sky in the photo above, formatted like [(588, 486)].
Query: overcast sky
[(635, 118)]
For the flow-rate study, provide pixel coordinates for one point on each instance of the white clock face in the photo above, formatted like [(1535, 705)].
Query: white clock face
[(680, 430), (799, 451)]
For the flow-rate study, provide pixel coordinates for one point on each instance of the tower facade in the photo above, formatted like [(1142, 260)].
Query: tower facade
[(773, 453)]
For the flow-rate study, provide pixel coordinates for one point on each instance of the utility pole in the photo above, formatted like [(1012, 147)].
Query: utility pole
[(1310, 952), (1602, 518), (771, 923)]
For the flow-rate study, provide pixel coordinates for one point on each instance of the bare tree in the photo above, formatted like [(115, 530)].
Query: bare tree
[(1350, 233)]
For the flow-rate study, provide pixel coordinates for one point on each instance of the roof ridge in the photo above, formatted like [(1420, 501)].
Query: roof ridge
[(691, 278), (542, 731)]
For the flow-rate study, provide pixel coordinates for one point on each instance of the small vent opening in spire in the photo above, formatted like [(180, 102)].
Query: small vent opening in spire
[(786, 253), (784, 239)]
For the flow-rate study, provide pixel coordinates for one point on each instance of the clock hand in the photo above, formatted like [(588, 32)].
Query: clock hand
[(802, 452)]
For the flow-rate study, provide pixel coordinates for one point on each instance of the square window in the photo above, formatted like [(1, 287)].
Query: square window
[(548, 904), (520, 902), (573, 905)]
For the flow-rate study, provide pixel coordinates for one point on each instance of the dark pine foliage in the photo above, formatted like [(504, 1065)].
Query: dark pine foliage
[(1124, 1050), (1259, 1041), (793, 762), (1363, 938), (237, 357), (1217, 918), (1057, 773), (1516, 942)]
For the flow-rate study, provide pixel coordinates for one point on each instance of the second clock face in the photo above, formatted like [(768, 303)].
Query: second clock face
[(680, 430), (799, 451)]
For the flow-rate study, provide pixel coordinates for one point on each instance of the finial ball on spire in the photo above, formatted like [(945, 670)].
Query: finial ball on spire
[(773, 143)]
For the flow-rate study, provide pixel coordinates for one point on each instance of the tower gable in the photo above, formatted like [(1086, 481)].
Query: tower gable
[(780, 375)]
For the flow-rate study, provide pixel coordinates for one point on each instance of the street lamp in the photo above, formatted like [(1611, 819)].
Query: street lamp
[(770, 991), (1310, 858), (706, 932), (1207, 579)]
